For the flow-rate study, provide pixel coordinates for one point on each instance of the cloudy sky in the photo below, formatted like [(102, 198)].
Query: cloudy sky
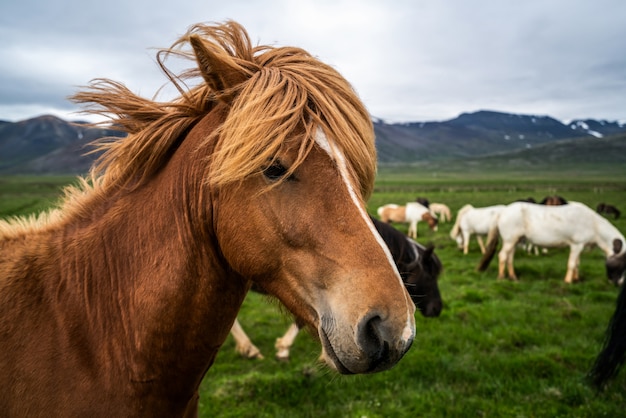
[(413, 60)]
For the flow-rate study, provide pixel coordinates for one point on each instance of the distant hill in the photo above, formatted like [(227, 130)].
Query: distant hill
[(479, 133), (47, 144), (583, 152)]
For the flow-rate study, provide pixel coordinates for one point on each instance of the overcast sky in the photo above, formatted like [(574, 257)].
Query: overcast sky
[(413, 60)]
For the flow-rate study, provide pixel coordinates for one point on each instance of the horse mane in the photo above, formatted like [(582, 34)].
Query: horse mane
[(285, 90)]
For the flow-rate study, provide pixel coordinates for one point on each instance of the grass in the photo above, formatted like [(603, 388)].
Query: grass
[(499, 348)]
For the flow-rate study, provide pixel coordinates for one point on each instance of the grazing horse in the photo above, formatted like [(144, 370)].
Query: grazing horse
[(554, 200), (471, 220), (441, 210), (419, 267), (606, 209), (574, 225), (548, 201), (116, 303), (411, 213), (613, 353)]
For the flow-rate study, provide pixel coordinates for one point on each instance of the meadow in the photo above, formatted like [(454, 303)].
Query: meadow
[(499, 348)]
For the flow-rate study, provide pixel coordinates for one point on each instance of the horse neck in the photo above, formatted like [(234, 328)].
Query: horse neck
[(153, 275), (606, 233)]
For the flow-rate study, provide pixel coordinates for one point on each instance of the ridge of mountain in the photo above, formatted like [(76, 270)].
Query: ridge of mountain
[(47, 144), (479, 133)]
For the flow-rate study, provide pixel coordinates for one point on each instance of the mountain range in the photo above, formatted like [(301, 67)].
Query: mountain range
[(47, 144), (479, 134)]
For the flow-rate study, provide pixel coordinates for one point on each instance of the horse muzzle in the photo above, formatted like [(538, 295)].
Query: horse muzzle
[(373, 345)]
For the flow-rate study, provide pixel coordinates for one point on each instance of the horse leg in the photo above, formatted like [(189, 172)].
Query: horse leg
[(284, 343), (466, 241), (243, 344), (505, 261), (481, 244), (413, 229), (509, 263), (572, 263), (502, 256)]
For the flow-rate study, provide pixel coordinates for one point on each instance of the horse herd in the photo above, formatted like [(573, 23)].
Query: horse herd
[(116, 302), (553, 222)]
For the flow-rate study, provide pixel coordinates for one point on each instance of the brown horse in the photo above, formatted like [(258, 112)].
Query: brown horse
[(116, 303), (411, 213)]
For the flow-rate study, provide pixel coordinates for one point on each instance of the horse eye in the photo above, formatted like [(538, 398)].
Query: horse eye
[(275, 172)]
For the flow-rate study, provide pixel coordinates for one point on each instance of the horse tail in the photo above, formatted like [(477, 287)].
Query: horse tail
[(457, 223), (492, 245), (612, 356)]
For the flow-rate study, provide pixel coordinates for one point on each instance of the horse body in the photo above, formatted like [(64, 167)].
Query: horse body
[(411, 213), (101, 303), (471, 220), (573, 225), (392, 213), (419, 267), (441, 210), (416, 212), (116, 303)]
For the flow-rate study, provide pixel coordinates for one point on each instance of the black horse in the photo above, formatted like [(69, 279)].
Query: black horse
[(423, 201), (612, 356), (418, 265)]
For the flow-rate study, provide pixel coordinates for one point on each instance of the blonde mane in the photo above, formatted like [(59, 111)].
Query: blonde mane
[(285, 91)]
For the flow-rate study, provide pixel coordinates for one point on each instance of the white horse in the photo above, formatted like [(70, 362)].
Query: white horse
[(574, 225), (411, 213), (471, 220), (441, 210)]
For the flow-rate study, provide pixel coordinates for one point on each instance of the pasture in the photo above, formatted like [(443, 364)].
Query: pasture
[(499, 348)]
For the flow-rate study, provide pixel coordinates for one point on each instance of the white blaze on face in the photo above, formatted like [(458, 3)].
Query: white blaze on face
[(337, 156)]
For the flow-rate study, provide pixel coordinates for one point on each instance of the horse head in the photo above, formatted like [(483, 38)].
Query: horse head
[(616, 263), (420, 278), (290, 169), (432, 220), (419, 267)]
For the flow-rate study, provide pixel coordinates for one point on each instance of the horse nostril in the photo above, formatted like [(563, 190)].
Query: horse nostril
[(371, 339), (433, 309)]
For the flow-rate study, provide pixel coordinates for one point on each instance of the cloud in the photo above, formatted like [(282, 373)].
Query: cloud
[(408, 60)]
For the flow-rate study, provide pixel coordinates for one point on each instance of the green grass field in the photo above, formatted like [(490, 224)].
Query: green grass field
[(499, 349)]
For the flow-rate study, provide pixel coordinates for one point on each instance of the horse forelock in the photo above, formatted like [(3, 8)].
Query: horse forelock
[(294, 93)]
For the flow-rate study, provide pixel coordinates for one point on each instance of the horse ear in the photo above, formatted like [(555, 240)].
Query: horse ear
[(617, 246), (430, 248), (220, 75)]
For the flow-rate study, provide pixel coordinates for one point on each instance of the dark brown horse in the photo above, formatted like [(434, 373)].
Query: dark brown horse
[(553, 200), (418, 265), (606, 209), (116, 303)]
